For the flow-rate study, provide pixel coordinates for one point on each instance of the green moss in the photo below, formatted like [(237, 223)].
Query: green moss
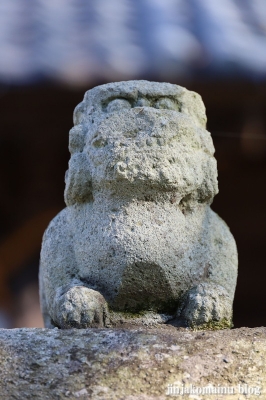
[(213, 325), (146, 306)]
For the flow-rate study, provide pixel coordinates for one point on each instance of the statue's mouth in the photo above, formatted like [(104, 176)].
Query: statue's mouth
[(144, 147)]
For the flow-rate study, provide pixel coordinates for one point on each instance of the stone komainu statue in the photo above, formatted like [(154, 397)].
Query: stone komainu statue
[(138, 240)]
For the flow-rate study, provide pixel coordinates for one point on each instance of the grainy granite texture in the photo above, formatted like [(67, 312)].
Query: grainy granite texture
[(108, 364), (138, 238)]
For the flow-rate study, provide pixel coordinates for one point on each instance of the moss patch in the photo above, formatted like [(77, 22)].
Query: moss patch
[(213, 325)]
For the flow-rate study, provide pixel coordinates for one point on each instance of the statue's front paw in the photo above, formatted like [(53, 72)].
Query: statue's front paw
[(81, 307), (206, 306)]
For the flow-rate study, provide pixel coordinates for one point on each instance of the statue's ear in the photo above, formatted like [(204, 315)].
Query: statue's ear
[(192, 105), (209, 186), (78, 114), (77, 138), (78, 180)]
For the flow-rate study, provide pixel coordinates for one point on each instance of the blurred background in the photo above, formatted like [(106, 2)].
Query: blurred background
[(52, 51)]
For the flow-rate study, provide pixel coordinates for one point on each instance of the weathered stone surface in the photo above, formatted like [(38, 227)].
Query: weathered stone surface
[(138, 234), (105, 364)]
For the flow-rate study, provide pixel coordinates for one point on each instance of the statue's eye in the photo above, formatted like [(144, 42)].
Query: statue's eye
[(167, 104), (143, 103), (117, 105)]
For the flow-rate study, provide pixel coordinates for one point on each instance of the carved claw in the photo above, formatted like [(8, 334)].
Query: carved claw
[(81, 307), (206, 305)]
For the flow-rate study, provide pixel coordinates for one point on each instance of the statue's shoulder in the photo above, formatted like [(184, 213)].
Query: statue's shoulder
[(58, 225), (221, 233), (216, 221)]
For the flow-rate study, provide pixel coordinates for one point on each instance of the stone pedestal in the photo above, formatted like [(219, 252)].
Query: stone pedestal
[(132, 364)]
